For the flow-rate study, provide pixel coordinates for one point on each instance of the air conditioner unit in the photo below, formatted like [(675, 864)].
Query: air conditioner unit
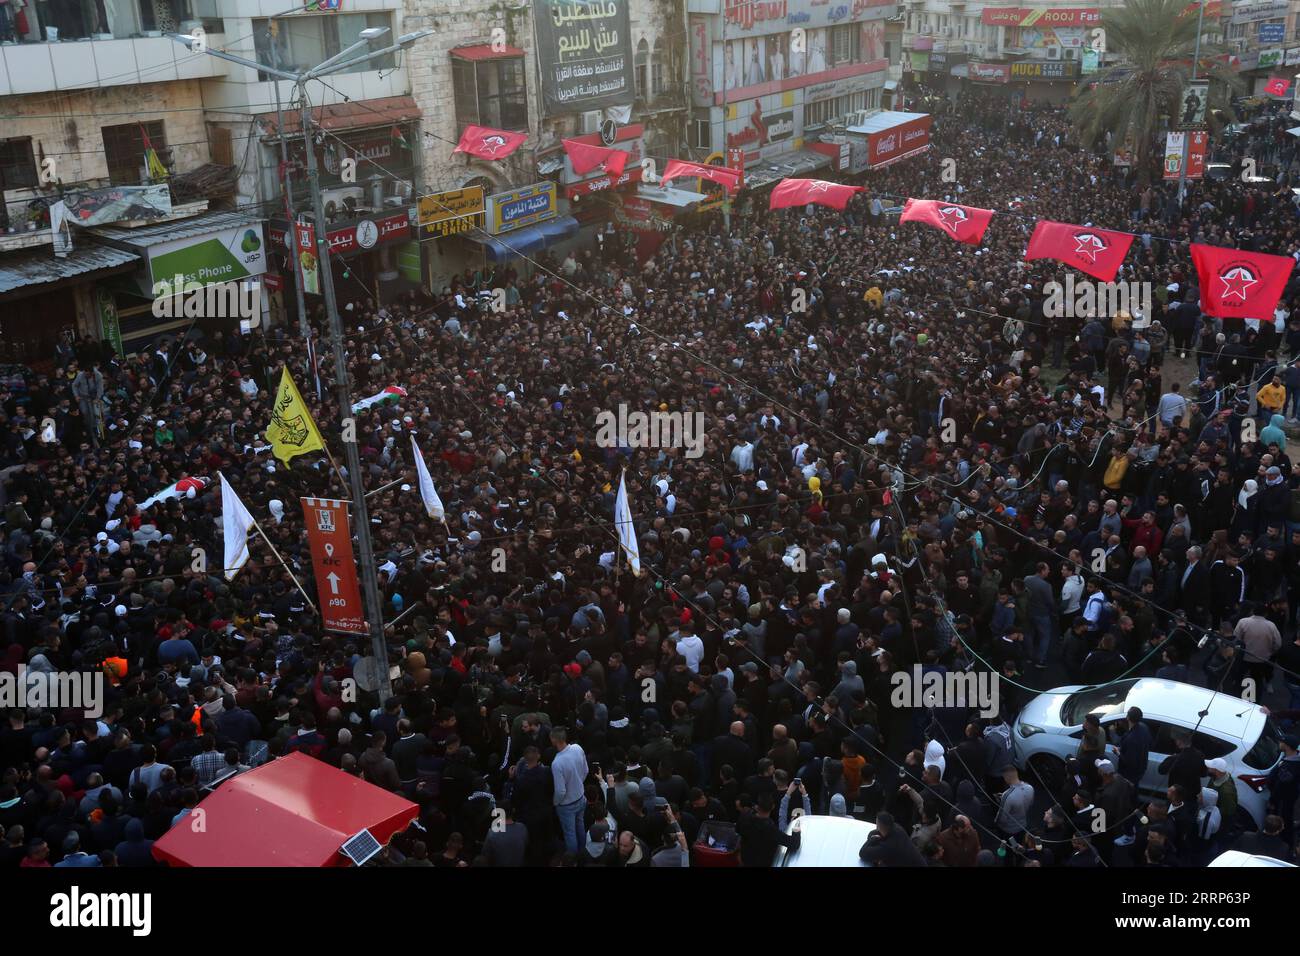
[(1053, 52), (342, 201), (590, 122)]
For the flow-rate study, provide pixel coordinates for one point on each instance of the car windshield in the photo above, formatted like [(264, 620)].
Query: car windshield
[(1102, 701), (1264, 754)]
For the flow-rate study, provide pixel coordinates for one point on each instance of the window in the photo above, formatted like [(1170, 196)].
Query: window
[(490, 92), (124, 150), (658, 70), (1265, 752), (642, 65), (834, 109), (700, 134), (1211, 746), (302, 42), (1101, 701), (17, 164), (844, 44), (180, 12)]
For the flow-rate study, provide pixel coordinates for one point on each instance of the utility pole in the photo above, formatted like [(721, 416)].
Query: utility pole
[(304, 328), (360, 512), (342, 60), (726, 199), (1187, 136)]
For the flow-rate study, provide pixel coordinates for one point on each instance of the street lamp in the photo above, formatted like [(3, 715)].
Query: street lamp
[(335, 64)]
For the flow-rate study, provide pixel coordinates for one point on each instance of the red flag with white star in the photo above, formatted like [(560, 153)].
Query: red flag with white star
[(963, 223), (800, 192), (1277, 86), (1098, 252), (729, 179), (586, 158), (1238, 284), (488, 143)]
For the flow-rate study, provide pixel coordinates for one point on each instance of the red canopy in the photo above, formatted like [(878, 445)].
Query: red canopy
[(295, 811)]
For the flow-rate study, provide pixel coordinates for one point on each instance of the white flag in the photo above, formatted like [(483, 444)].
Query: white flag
[(236, 522), (432, 503), (626, 530)]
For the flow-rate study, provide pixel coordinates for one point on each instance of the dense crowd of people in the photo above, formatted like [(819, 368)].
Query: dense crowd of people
[(919, 469)]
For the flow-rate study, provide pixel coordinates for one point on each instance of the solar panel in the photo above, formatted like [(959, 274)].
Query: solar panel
[(360, 847)]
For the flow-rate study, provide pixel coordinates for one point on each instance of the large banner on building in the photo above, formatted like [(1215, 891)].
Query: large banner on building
[(584, 48), (100, 207)]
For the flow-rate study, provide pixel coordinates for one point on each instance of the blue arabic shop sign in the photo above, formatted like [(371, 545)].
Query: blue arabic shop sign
[(521, 207)]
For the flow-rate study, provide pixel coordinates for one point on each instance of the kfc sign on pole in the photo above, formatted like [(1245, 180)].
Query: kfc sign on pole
[(330, 536)]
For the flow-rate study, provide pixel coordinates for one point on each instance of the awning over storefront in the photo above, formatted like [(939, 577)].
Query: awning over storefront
[(893, 135), (33, 273), (485, 51), (795, 164), (526, 240), (668, 196), (383, 111)]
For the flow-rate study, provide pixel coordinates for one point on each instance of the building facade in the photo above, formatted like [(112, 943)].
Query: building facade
[(1038, 52), (86, 103), (770, 77), (515, 68)]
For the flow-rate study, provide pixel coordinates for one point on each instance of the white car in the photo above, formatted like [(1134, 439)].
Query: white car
[(1048, 731), (826, 842)]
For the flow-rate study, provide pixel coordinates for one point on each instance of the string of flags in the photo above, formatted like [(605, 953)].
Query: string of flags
[(1234, 283)]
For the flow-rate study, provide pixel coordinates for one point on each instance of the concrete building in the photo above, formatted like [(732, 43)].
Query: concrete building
[(76, 114), (80, 109), (1038, 52), (503, 66), (769, 79), (1263, 38)]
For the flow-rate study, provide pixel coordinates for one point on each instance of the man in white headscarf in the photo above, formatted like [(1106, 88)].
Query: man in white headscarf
[(276, 507)]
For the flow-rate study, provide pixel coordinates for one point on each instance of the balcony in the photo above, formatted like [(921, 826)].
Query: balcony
[(670, 98), (90, 63)]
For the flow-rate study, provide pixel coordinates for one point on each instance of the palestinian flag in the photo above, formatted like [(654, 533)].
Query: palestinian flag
[(393, 393), (181, 489), (401, 139)]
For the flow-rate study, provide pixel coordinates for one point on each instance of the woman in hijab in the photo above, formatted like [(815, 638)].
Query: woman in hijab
[(1245, 517), (276, 507)]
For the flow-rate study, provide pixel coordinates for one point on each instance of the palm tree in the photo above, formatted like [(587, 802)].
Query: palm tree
[(1131, 100)]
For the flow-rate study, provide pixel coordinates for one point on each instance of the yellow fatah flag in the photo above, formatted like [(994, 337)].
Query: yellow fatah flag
[(292, 431)]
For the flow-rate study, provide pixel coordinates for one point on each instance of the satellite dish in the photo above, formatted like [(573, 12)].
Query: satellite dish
[(608, 132), (369, 673)]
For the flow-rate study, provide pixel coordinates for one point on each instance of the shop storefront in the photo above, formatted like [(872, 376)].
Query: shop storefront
[(521, 222), (209, 250), (363, 256), (1051, 81), (42, 295)]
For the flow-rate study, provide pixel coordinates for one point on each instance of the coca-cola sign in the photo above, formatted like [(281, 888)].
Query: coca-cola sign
[(899, 141)]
